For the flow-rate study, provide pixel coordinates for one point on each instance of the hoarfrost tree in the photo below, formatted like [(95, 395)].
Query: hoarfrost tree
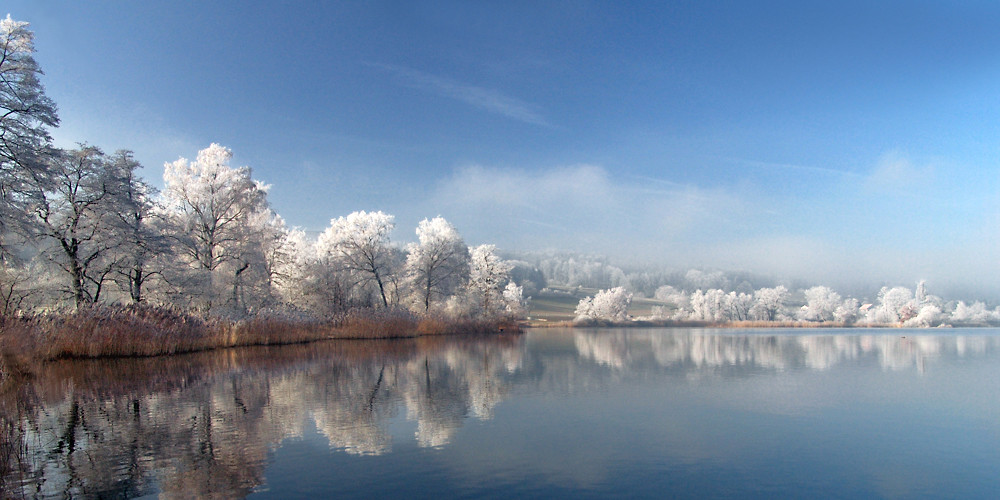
[(280, 252), (710, 305), (76, 215), (310, 279), (26, 113), (921, 294), (290, 271), (514, 300), (256, 261), (487, 273), (847, 311), (927, 316), (769, 303), (360, 244), (974, 314), (611, 305), (680, 301), (738, 306), (141, 253), (821, 304), (895, 305), (212, 205), (438, 263)]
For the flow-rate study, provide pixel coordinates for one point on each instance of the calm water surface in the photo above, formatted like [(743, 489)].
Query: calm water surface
[(552, 413)]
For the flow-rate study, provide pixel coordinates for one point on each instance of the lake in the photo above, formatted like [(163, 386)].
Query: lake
[(574, 413)]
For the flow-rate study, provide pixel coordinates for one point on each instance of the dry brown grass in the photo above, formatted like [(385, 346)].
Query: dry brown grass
[(377, 324), (140, 331)]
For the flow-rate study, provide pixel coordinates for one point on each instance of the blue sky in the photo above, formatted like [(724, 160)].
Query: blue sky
[(842, 142)]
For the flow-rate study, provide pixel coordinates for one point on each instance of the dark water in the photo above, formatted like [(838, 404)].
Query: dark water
[(553, 413)]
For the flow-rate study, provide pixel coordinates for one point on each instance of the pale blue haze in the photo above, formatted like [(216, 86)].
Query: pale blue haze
[(838, 142)]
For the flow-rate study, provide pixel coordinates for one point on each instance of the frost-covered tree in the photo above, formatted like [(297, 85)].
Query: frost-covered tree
[(76, 218), (515, 303), (359, 243), (310, 279), (927, 315), (487, 274), (974, 314), (610, 305), (738, 306), (680, 301), (438, 263), (279, 250), (769, 303), (142, 251), (212, 205), (895, 305), (847, 311), (709, 305), (26, 113), (706, 305), (257, 260), (821, 304)]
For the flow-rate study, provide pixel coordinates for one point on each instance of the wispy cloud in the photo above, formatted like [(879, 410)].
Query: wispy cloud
[(793, 167), (583, 207), (483, 98), (895, 173)]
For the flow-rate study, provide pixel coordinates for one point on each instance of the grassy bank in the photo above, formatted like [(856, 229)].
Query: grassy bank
[(123, 331)]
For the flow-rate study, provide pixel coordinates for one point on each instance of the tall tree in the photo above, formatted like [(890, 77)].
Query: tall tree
[(26, 113), (611, 305), (143, 245), (438, 263), (487, 274), (821, 304), (77, 213), (359, 242), (212, 205), (769, 303)]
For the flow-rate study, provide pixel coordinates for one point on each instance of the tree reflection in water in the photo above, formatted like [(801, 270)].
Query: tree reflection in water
[(631, 349), (205, 425), (202, 425)]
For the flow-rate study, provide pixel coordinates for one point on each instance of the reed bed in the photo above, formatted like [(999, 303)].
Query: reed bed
[(141, 331)]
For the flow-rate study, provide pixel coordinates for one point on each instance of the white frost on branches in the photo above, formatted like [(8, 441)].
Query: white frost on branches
[(609, 305)]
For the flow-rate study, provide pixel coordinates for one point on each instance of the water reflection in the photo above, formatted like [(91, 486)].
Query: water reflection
[(202, 426), (626, 349), (207, 425)]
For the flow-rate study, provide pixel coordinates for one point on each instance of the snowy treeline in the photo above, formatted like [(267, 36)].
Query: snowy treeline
[(572, 269), (725, 296), (610, 305), (211, 242), (893, 306), (80, 226)]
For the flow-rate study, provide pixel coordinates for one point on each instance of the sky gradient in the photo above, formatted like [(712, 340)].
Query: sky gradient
[(841, 142)]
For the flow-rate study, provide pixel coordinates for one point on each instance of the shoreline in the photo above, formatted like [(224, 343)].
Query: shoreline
[(143, 331), (791, 325), (109, 332)]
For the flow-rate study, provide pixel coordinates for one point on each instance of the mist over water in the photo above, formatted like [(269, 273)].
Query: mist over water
[(585, 412)]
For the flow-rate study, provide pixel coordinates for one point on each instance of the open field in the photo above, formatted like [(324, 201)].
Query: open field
[(558, 303)]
